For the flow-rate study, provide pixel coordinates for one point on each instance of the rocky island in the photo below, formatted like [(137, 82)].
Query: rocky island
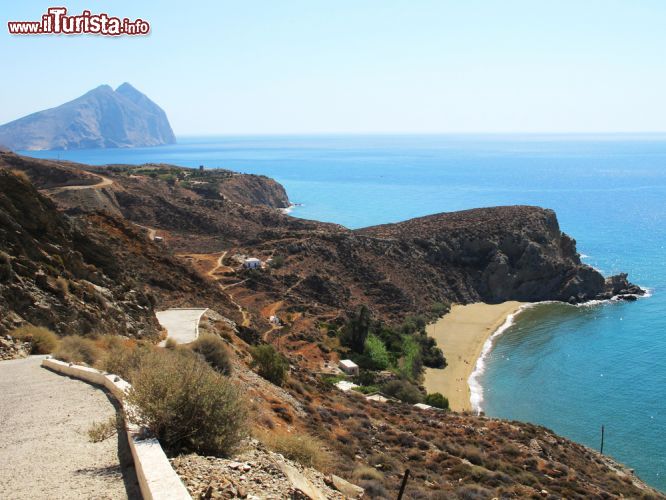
[(101, 118), (95, 251)]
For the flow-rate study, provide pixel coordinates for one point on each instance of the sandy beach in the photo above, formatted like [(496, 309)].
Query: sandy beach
[(461, 334)]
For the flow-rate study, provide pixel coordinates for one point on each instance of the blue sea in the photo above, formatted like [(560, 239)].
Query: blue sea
[(572, 369)]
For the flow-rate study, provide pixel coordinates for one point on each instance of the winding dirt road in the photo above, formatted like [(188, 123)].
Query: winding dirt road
[(105, 182)]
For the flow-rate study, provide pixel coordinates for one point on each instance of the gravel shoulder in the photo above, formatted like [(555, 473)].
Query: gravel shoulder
[(44, 447)]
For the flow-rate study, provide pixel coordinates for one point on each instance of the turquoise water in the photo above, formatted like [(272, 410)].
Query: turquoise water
[(569, 368)]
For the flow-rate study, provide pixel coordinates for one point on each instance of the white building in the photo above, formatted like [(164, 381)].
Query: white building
[(275, 320), (348, 366), (345, 386), (377, 396), (251, 263), (422, 406)]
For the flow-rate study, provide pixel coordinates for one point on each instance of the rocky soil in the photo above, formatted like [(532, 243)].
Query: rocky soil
[(254, 473), (11, 348), (93, 273)]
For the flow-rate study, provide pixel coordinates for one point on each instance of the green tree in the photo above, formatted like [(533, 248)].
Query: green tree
[(376, 353), (439, 309), (411, 362), (355, 332), (270, 364), (403, 390), (432, 356), (437, 400)]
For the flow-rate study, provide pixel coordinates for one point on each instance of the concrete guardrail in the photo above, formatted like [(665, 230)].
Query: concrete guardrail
[(157, 479)]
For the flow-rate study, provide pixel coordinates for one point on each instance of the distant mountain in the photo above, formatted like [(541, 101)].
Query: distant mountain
[(101, 118)]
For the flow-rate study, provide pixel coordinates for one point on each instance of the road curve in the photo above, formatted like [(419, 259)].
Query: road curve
[(104, 182), (44, 447), (182, 325)]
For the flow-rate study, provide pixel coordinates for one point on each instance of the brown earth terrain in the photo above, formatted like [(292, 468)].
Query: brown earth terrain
[(102, 240)]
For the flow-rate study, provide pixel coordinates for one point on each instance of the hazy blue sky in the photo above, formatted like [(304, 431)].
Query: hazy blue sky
[(360, 65)]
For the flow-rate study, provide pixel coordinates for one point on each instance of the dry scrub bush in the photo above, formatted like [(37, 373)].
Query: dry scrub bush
[(186, 404), (100, 431), (270, 364), (301, 448), (76, 349), (62, 287), (214, 351), (363, 472), (43, 340), (122, 359), (21, 175), (6, 271)]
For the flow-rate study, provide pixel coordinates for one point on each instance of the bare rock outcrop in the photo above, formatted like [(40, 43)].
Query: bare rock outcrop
[(101, 118)]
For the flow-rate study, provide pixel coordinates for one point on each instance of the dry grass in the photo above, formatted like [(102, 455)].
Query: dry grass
[(62, 286), (76, 349), (302, 448), (122, 358), (21, 175), (363, 473), (100, 431), (43, 340), (214, 351)]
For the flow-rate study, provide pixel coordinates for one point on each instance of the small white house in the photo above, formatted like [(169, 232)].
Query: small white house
[(345, 386), (275, 320), (348, 366), (377, 396), (158, 239), (423, 406), (251, 263)]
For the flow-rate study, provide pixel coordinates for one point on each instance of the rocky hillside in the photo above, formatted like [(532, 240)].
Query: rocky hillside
[(92, 274), (489, 254), (101, 118)]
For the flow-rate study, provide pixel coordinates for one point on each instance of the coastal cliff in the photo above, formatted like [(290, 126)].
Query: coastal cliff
[(503, 253), (101, 118), (490, 255)]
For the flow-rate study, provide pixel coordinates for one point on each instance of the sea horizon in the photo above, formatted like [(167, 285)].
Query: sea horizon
[(607, 190)]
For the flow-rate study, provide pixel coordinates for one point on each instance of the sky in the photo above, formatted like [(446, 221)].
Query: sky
[(359, 66)]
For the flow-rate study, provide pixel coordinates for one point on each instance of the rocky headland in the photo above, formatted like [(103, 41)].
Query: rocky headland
[(101, 118)]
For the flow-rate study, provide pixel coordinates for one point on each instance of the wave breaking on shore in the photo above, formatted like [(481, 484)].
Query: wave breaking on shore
[(474, 383)]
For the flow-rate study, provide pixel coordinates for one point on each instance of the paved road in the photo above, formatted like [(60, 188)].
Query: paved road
[(44, 446), (182, 325)]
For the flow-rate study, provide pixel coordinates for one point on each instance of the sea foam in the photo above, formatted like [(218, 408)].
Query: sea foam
[(475, 388)]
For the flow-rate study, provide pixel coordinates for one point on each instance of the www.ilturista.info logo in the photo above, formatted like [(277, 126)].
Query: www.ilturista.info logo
[(57, 22)]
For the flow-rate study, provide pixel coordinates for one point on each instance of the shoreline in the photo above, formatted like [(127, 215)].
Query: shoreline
[(465, 336)]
